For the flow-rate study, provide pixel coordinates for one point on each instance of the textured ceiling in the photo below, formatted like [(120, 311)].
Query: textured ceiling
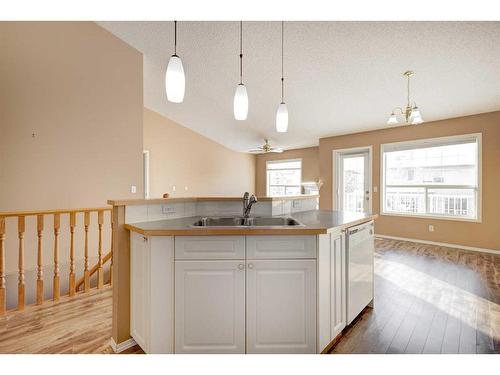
[(340, 77)]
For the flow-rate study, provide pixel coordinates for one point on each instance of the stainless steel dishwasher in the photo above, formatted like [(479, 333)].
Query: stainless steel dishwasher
[(360, 247)]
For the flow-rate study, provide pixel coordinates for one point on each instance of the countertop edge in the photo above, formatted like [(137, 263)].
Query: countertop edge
[(245, 231)]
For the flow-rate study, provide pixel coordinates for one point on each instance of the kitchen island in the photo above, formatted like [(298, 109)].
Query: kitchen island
[(240, 289)]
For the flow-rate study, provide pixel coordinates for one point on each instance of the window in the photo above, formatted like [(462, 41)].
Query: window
[(434, 177), (284, 177)]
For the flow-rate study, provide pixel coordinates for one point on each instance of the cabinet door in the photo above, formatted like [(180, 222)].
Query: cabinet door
[(139, 290), (209, 307), (338, 285), (281, 306)]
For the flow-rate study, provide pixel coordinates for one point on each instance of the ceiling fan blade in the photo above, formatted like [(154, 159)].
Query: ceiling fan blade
[(276, 150), (256, 151)]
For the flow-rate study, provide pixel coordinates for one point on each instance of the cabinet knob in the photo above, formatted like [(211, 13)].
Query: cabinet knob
[(250, 266), (241, 266)]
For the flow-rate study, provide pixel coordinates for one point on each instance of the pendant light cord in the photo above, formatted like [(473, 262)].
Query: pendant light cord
[(175, 38), (282, 79), (408, 96), (241, 52)]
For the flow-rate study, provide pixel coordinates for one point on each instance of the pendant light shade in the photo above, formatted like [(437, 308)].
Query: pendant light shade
[(240, 102), (175, 81), (282, 118), (392, 119), (282, 112)]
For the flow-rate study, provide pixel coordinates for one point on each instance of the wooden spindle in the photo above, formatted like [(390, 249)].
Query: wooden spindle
[(72, 224), (57, 226), (39, 273), (20, 284), (111, 260), (3, 295), (100, 275), (86, 274)]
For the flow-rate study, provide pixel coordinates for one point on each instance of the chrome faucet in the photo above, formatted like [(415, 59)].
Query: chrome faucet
[(248, 201)]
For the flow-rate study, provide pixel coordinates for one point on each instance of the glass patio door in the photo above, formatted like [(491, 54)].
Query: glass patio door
[(354, 188)]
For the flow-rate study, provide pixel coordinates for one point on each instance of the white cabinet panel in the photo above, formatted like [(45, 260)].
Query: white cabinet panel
[(281, 247), (152, 293), (210, 247), (338, 285), (209, 307), (324, 291), (332, 287), (281, 306), (139, 291)]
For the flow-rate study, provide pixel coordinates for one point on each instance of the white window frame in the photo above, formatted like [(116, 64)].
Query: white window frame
[(282, 161), (420, 143)]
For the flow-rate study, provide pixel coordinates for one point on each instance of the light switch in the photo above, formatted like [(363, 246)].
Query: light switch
[(431, 228), (133, 189)]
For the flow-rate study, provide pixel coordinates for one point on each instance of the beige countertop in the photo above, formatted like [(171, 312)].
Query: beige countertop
[(314, 222), (132, 202)]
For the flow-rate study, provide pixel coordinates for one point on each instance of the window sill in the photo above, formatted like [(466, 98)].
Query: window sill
[(432, 217)]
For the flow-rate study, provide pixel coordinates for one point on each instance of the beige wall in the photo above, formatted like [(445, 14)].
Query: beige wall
[(485, 234), (182, 158), (79, 89), (310, 165)]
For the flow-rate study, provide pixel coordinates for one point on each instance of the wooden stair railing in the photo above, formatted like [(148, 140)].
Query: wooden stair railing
[(93, 270), (74, 285)]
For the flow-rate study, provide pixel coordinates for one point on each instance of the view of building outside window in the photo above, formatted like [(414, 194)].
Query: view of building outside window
[(438, 180), (284, 177)]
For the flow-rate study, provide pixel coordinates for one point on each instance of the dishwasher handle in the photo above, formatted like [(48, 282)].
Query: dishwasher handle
[(361, 228)]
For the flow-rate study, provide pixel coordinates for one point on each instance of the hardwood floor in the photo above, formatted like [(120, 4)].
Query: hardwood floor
[(429, 299), (73, 325)]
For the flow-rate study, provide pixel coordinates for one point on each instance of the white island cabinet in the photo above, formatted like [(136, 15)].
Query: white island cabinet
[(238, 294)]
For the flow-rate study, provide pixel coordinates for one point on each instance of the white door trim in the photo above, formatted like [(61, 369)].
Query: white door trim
[(336, 176)]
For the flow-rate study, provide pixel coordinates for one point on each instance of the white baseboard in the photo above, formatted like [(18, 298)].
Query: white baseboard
[(118, 348), (470, 248)]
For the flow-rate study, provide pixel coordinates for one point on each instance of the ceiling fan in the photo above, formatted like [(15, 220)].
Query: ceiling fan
[(265, 148)]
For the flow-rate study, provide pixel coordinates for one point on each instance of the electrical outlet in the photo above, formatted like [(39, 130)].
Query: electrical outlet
[(168, 209), (173, 188), (431, 228), (133, 189)]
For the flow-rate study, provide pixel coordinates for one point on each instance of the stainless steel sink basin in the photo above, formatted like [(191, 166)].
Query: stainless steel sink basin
[(226, 222)]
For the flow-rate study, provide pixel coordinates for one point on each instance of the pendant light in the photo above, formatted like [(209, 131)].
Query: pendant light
[(175, 82), (240, 104), (282, 112)]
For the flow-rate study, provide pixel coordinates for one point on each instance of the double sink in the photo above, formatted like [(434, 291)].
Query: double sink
[(238, 221)]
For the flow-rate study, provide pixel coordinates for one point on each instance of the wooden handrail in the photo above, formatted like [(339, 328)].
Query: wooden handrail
[(51, 212), (56, 214), (94, 269)]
